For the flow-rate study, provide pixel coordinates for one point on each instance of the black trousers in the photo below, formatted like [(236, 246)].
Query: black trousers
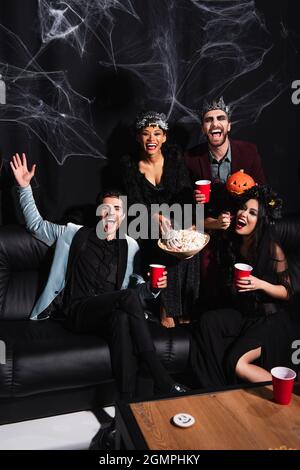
[(120, 317)]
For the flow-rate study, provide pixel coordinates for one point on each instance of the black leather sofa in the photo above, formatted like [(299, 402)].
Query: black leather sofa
[(49, 370)]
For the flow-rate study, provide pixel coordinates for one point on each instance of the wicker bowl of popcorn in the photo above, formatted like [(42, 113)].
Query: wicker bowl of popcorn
[(191, 243)]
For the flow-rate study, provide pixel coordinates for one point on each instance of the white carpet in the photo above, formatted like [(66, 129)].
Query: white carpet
[(73, 431)]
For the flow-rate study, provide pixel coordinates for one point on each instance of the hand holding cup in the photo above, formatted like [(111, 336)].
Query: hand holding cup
[(202, 191), (158, 276), (242, 271), (200, 198)]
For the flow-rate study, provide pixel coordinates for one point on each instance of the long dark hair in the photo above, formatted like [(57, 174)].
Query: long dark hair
[(261, 249)]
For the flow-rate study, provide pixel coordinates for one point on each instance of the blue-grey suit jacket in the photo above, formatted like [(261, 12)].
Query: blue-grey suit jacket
[(62, 235)]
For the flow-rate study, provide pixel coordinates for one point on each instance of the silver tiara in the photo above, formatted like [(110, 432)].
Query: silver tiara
[(151, 118), (216, 105)]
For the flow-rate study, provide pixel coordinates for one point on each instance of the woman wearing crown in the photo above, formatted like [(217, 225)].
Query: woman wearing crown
[(156, 174)]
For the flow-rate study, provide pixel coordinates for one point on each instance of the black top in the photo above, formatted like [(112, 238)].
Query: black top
[(96, 269), (257, 303), (269, 263), (175, 185)]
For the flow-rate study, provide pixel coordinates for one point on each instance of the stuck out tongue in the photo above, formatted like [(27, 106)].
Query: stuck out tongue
[(110, 225), (240, 225)]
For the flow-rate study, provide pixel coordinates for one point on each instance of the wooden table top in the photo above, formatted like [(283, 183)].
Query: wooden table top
[(234, 419)]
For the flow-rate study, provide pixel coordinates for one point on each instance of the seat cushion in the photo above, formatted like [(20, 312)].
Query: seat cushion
[(287, 232), (24, 267), (172, 346), (44, 356)]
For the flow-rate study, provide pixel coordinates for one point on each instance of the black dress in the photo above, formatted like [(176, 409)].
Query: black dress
[(181, 295), (223, 336), (221, 200)]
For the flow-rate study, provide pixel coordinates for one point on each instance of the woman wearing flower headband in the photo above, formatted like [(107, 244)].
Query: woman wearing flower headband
[(157, 175), (245, 342)]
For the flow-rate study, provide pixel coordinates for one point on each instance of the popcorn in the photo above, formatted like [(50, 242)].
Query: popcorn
[(189, 240)]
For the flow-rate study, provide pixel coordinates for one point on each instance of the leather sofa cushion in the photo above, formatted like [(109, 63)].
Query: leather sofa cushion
[(43, 356), (24, 265), (287, 232)]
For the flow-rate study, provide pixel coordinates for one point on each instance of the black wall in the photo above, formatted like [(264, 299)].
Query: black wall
[(77, 72)]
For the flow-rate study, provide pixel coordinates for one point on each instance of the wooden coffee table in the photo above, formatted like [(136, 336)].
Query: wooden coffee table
[(244, 418)]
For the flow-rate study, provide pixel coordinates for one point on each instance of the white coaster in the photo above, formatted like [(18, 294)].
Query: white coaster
[(183, 420)]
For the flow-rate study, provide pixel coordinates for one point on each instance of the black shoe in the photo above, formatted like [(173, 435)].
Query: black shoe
[(178, 388), (105, 439)]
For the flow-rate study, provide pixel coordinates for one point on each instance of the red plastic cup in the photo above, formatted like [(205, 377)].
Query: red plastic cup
[(156, 271), (283, 381), (204, 187), (241, 270)]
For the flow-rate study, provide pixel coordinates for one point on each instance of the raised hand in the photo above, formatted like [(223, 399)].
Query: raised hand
[(21, 173)]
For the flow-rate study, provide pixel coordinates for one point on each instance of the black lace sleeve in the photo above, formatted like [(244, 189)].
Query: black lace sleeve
[(281, 270), (283, 278)]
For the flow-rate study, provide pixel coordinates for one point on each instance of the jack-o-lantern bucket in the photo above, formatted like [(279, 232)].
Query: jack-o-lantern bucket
[(239, 182)]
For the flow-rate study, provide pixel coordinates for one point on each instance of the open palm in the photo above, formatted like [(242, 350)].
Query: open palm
[(21, 173)]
